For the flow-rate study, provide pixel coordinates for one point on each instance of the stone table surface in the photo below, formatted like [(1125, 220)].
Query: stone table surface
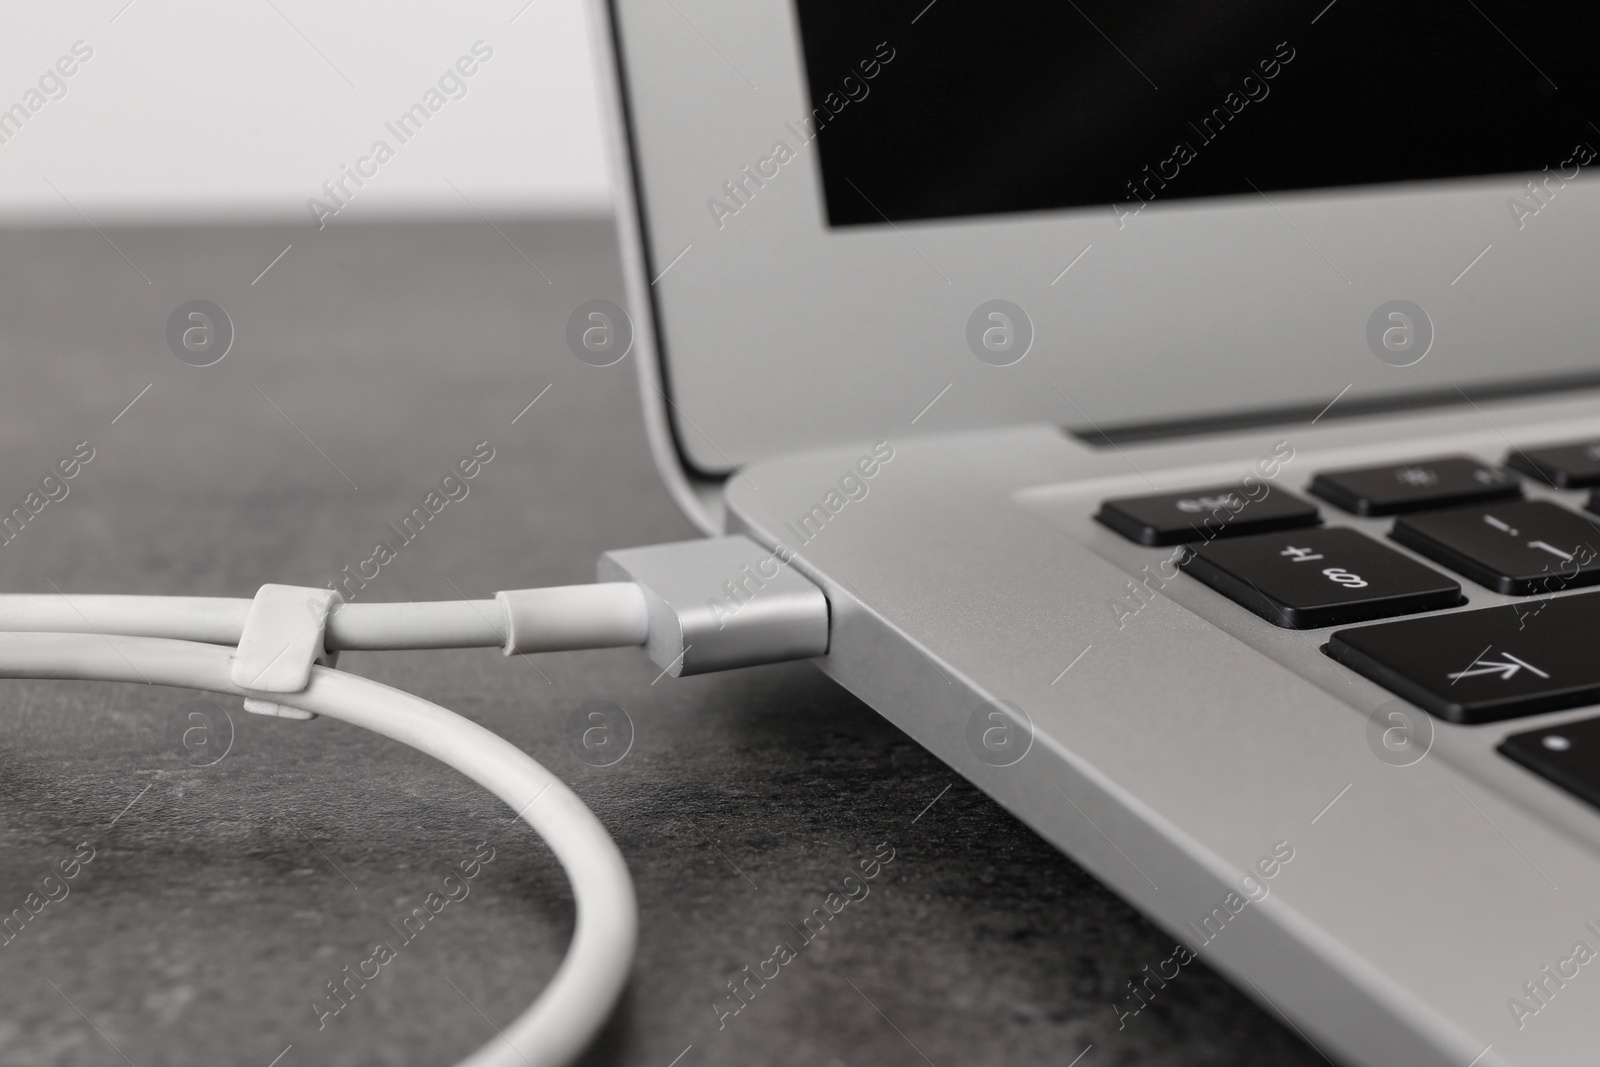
[(239, 864)]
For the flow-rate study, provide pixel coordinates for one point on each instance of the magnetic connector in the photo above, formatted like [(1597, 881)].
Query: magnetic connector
[(722, 602)]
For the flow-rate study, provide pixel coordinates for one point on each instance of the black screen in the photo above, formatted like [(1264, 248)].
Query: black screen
[(970, 107)]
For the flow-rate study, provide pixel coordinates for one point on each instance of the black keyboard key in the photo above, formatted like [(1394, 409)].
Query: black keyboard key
[(1574, 466), (1568, 756), (1428, 483), (1311, 578), (1202, 514), (1484, 665), (1518, 547)]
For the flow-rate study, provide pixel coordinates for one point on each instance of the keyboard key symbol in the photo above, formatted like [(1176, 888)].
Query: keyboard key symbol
[(1501, 525), (1546, 546), (1507, 670), (1197, 505), (1417, 477)]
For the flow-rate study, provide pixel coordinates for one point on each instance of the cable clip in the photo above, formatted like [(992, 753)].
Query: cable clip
[(283, 636)]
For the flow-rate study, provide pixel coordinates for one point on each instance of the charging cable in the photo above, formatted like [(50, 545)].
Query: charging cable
[(695, 606)]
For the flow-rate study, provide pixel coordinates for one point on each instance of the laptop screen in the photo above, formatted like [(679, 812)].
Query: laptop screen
[(937, 109)]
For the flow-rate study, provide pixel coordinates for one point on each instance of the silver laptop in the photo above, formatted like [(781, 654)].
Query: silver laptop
[(1190, 412)]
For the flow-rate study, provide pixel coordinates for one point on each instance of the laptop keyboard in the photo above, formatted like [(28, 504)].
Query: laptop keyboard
[(1270, 554)]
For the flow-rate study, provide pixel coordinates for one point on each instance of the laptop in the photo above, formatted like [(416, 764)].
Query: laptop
[(1192, 414)]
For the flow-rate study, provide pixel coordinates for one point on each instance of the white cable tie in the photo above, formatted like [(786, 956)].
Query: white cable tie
[(283, 636)]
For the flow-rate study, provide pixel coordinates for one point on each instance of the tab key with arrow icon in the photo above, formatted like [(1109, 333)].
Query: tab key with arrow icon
[(1486, 664), (1506, 671)]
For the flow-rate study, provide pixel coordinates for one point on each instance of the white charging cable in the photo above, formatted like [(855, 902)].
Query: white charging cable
[(282, 636), (572, 1008), (602, 615)]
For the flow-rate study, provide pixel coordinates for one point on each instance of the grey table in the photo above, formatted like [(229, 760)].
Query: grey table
[(237, 871)]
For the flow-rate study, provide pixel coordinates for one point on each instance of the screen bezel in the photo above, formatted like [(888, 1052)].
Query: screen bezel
[(1526, 326)]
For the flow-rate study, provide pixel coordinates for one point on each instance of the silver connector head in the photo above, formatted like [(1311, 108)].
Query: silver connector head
[(722, 602)]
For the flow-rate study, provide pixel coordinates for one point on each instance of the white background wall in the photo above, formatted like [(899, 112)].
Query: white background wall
[(204, 108)]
